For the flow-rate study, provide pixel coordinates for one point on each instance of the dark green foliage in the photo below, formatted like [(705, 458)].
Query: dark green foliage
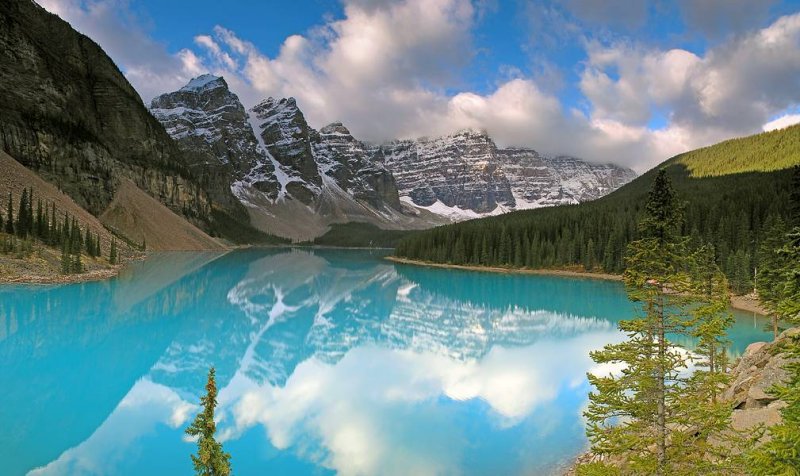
[(10, 219), (45, 227), (728, 212), (781, 455), (649, 418), (365, 235), (112, 257), (211, 459)]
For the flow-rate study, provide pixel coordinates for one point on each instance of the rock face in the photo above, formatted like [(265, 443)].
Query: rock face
[(68, 113), (540, 181), (283, 168), (465, 175), (461, 170), (313, 160), (294, 179), (206, 117), (761, 367)]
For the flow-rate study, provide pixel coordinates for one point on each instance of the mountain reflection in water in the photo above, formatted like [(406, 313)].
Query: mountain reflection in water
[(328, 361)]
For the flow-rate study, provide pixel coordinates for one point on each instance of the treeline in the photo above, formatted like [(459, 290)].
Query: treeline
[(43, 223), (730, 213)]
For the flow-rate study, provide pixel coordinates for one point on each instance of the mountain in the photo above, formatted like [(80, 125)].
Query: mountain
[(205, 117), (69, 114), (297, 181), (723, 206), (465, 175)]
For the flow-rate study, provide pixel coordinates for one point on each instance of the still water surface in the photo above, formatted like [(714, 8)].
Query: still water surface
[(328, 362)]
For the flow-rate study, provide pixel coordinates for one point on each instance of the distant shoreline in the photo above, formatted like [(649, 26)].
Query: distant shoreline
[(747, 303), (494, 269)]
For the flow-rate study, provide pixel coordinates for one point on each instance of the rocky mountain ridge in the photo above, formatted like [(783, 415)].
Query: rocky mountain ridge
[(466, 175), (68, 113), (288, 171), (294, 180)]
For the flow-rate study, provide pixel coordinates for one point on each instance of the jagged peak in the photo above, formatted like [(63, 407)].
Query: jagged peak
[(335, 128), (205, 82), (470, 132), (272, 102)]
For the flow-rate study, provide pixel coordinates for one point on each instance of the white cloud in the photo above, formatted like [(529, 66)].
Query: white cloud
[(387, 70), (716, 18), (782, 122), (361, 409)]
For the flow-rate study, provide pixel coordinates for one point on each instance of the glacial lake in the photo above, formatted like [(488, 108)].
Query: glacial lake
[(328, 362)]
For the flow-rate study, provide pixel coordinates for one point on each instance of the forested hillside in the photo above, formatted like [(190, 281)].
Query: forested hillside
[(731, 211), (765, 152)]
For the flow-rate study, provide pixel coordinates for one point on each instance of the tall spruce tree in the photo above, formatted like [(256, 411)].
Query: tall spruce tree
[(211, 459), (112, 255), (22, 215), (643, 420), (781, 454), (10, 218)]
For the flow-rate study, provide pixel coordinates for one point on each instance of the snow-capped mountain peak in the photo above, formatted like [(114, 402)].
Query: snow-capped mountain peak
[(204, 82), (296, 180)]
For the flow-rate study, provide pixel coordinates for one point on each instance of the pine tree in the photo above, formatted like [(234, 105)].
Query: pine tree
[(631, 415), (781, 454), (39, 224), (590, 256), (112, 256), (771, 264), (66, 263), (10, 218), (22, 215), (211, 459)]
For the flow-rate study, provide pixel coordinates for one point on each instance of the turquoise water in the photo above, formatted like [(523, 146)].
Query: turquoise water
[(328, 362)]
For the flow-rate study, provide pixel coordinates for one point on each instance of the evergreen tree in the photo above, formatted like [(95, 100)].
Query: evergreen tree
[(112, 256), (211, 459), (39, 223), (772, 263), (66, 262), (781, 454), (22, 215), (650, 419), (10, 218)]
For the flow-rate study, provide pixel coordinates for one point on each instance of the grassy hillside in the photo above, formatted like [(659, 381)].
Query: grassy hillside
[(728, 209), (765, 152)]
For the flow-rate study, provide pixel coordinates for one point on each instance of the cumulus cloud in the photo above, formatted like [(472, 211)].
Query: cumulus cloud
[(360, 409), (625, 13), (732, 90), (716, 18), (782, 122), (393, 69)]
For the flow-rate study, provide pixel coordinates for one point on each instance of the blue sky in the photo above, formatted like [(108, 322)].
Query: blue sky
[(612, 80)]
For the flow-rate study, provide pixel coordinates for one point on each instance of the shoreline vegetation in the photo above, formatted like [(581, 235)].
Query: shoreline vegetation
[(748, 302)]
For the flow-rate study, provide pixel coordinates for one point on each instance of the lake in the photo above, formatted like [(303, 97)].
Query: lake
[(328, 362)]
